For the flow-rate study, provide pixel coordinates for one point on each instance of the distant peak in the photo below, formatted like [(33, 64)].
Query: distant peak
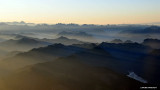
[(27, 40), (57, 45), (128, 41), (153, 28), (62, 37), (117, 41), (24, 38)]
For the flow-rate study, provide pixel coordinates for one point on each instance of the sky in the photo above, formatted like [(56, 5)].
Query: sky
[(80, 11)]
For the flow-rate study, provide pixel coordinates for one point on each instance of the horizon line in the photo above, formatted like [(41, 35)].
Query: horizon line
[(147, 23)]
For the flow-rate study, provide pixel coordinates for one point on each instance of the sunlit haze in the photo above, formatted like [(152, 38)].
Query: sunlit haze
[(81, 11)]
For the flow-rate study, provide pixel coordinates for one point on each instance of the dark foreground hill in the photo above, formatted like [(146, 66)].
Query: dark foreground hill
[(67, 74), (63, 67), (151, 66), (154, 43)]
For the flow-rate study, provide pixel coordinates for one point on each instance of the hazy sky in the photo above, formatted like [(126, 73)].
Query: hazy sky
[(80, 11)]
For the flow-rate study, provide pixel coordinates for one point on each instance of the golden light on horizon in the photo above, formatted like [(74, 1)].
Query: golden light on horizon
[(73, 11)]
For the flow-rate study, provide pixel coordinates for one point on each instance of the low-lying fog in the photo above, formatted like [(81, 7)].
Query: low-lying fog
[(89, 33)]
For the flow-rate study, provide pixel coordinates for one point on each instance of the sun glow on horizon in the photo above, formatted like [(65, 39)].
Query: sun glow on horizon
[(80, 11)]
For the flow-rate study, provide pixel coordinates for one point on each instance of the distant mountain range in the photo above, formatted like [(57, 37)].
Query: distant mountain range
[(23, 44), (149, 30), (62, 40), (153, 23), (75, 34)]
